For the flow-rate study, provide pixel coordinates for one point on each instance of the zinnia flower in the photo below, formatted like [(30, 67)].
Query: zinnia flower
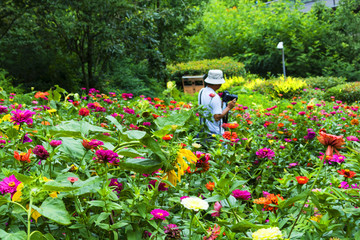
[(347, 173), (265, 153), (55, 143), (106, 156), (267, 234), (217, 209), (210, 186), (22, 157), (195, 203), (3, 109), (9, 185), (239, 194), (41, 152), (159, 214), (72, 179), (213, 233), (84, 112), (172, 231), (331, 141), (115, 183), (161, 188), (302, 180), (20, 116), (352, 138)]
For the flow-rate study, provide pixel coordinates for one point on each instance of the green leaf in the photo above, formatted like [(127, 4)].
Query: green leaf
[(135, 134), (97, 203), (354, 211), (73, 148), (54, 209), (357, 235), (162, 132), (12, 133), (3, 200), (176, 119), (59, 186), (129, 152), (245, 225), (154, 146), (216, 198), (292, 200), (115, 122), (141, 165), (23, 178), (74, 129), (21, 235)]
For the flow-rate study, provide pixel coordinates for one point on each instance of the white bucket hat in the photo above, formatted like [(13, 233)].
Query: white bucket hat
[(215, 77)]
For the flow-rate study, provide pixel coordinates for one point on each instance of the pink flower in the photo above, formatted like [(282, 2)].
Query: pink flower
[(159, 214), (106, 156), (331, 141), (9, 185), (265, 153), (20, 117), (72, 179), (212, 95), (302, 113), (55, 143), (41, 152), (183, 197), (239, 194), (217, 208), (352, 138)]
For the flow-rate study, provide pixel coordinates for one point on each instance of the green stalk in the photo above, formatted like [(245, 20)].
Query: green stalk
[(312, 187), (29, 218), (236, 216), (192, 218)]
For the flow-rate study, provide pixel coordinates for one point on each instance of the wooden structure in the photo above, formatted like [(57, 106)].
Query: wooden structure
[(192, 84)]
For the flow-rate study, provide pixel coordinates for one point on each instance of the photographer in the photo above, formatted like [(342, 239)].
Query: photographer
[(213, 103)]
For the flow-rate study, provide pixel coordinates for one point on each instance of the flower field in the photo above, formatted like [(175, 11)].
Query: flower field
[(95, 165)]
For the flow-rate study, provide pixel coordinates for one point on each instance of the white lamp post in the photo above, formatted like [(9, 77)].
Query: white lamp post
[(281, 46)]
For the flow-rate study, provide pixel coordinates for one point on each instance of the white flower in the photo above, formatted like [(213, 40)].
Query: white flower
[(267, 234), (196, 145), (195, 203)]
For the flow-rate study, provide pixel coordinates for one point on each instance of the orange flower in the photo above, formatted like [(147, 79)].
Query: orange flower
[(269, 199), (46, 123), (210, 186), (331, 141), (347, 173), (167, 137), (233, 125), (309, 107), (22, 157), (302, 180), (355, 121), (249, 122), (41, 95), (280, 125)]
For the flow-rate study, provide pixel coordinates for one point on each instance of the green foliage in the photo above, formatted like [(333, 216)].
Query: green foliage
[(348, 92), (232, 82), (229, 67), (324, 82), (6, 83)]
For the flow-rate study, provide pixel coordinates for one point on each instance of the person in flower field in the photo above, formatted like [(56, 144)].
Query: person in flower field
[(212, 101)]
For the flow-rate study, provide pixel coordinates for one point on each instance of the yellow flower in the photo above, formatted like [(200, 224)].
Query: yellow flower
[(51, 111), (6, 118), (280, 132), (53, 194), (316, 218), (180, 165), (17, 195), (47, 179), (267, 234)]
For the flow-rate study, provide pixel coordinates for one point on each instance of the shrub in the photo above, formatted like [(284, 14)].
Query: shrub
[(229, 66), (287, 88), (348, 92), (324, 82), (232, 82)]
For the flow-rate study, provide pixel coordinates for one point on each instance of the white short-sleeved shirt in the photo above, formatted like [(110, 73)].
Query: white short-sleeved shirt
[(214, 106)]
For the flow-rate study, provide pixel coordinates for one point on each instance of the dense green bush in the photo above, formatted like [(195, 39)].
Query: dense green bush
[(229, 66), (348, 92), (6, 83), (324, 82)]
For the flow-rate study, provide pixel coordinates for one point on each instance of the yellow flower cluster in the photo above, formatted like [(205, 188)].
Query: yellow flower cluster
[(232, 82)]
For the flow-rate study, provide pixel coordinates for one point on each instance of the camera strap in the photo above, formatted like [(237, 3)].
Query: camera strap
[(201, 91)]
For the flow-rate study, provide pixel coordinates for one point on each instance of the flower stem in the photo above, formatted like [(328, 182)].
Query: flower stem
[(29, 217), (312, 187), (200, 224), (192, 217), (236, 216)]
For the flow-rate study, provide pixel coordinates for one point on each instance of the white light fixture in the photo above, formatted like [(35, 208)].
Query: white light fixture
[(281, 47)]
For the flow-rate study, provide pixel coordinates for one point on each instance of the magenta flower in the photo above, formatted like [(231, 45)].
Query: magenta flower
[(217, 208), (239, 194), (20, 116), (146, 123), (352, 138), (55, 143), (115, 183), (292, 165), (26, 139), (3, 109), (95, 143), (265, 153), (106, 156), (41, 152), (302, 113), (183, 197), (159, 214), (9, 185), (344, 185)]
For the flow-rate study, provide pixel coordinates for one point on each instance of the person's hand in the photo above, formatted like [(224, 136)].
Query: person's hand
[(231, 104)]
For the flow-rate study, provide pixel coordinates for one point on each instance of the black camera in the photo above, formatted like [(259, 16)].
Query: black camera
[(227, 97)]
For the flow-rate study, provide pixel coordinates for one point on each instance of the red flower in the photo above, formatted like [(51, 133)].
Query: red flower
[(167, 137), (22, 157), (212, 95), (210, 186), (84, 112), (347, 173), (302, 180)]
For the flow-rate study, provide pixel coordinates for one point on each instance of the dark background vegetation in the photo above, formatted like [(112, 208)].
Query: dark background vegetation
[(127, 45)]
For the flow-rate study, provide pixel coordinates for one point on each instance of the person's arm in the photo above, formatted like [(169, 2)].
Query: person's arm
[(229, 106)]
